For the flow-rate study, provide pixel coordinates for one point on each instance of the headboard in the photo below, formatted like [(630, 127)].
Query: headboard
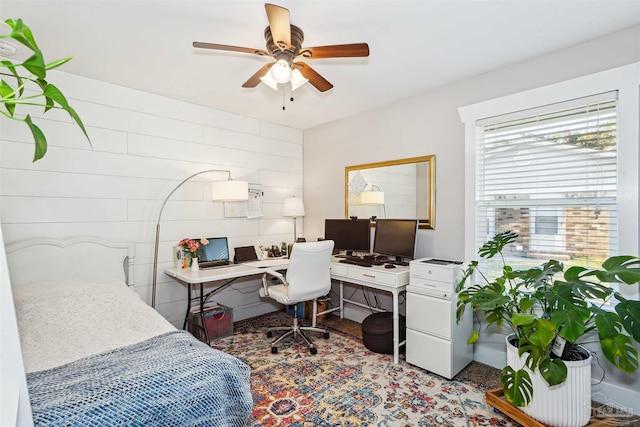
[(38, 260)]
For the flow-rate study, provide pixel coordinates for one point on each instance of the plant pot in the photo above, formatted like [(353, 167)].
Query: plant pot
[(563, 405)]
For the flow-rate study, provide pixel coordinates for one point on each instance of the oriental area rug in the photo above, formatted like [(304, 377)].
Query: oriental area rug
[(345, 384)]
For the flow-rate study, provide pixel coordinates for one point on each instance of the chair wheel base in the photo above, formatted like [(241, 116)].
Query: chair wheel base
[(274, 350), (314, 350), (325, 335), (269, 334)]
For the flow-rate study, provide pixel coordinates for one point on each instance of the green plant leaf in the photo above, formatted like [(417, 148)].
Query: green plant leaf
[(35, 65), (526, 304), (39, 138), (609, 324), (569, 311), (576, 276), (22, 33), (522, 319), (620, 269), (620, 351), (468, 272), (554, 371), (56, 64), (629, 311), (12, 69), (570, 324), (543, 335), (517, 386), (497, 243), (6, 92), (52, 92), (474, 337)]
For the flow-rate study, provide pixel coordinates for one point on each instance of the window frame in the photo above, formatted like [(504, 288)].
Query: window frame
[(626, 81)]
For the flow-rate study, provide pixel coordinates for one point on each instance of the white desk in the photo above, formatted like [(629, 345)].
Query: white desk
[(229, 273), (393, 280)]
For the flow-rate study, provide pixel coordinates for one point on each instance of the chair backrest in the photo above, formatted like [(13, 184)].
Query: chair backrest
[(308, 273)]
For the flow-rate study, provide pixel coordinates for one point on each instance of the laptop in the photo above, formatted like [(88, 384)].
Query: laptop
[(214, 254)]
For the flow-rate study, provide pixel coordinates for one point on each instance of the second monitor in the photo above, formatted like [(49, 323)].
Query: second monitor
[(396, 238), (351, 235)]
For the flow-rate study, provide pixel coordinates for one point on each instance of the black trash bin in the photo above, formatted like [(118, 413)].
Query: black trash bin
[(377, 332)]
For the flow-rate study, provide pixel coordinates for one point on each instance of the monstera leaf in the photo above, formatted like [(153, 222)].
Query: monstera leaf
[(497, 243), (620, 351), (629, 312), (517, 386), (620, 269), (554, 371)]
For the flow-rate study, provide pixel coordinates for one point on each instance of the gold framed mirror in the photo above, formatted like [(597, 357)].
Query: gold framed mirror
[(402, 188)]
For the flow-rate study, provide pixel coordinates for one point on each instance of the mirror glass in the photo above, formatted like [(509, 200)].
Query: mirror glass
[(403, 188)]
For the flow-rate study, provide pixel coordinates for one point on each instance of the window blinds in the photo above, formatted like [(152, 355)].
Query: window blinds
[(550, 174)]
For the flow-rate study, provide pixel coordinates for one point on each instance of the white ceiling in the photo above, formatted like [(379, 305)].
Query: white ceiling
[(415, 46)]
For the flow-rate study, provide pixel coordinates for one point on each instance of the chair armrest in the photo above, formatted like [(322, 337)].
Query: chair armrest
[(280, 276), (274, 274)]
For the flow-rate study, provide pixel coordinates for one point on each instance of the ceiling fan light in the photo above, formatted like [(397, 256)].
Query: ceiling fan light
[(281, 71), (297, 79), (268, 80)]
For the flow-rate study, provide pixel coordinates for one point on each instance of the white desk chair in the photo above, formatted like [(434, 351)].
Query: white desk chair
[(308, 278)]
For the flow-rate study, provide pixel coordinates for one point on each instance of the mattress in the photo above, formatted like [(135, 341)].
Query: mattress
[(63, 321)]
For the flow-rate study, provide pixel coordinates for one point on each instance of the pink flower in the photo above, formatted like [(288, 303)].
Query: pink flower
[(191, 246)]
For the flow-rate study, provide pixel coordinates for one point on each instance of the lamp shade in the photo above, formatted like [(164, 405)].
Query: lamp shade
[(297, 79), (269, 81), (293, 206), (229, 190), (372, 198)]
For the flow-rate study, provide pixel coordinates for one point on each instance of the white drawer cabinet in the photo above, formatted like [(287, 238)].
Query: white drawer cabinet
[(435, 341)]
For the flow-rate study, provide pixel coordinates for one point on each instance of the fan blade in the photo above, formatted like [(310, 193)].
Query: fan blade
[(336, 51), (214, 46), (314, 78), (280, 25), (255, 79)]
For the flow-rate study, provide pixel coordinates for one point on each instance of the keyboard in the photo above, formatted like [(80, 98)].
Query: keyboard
[(355, 261)]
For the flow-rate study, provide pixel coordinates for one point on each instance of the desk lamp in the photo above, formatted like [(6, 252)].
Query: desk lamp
[(293, 207), (220, 191)]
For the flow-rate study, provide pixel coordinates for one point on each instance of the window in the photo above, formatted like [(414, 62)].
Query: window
[(559, 165), (550, 174)]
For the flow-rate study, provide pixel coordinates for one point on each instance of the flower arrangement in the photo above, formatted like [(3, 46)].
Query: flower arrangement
[(191, 246)]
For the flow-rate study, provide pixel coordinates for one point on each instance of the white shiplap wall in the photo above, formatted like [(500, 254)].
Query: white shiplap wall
[(143, 146)]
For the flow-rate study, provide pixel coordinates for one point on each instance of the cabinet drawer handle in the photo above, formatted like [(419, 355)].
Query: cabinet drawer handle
[(369, 275)]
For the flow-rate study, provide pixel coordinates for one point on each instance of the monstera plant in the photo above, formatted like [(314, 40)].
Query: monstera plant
[(550, 310), (27, 84)]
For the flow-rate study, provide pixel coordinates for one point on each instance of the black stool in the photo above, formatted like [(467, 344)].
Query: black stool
[(377, 332)]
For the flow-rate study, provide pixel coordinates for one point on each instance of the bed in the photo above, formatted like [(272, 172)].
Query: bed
[(95, 354)]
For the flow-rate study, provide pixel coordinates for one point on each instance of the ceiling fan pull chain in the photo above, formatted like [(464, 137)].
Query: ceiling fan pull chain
[(283, 96)]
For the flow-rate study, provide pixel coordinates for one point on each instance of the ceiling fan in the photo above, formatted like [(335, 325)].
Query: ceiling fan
[(284, 44)]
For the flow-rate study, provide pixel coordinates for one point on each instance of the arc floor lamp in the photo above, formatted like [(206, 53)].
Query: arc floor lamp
[(221, 191)]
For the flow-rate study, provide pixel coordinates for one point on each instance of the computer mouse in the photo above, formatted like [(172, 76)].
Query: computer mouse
[(389, 266)]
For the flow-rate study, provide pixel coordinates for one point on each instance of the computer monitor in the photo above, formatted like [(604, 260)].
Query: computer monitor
[(395, 237), (348, 234)]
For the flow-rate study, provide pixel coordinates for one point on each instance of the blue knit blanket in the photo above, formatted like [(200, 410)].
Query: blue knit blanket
[(169, 380)]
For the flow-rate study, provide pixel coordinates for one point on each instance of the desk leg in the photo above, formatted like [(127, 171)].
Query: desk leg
[(341, 300), (396, 328), (186, 316)]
